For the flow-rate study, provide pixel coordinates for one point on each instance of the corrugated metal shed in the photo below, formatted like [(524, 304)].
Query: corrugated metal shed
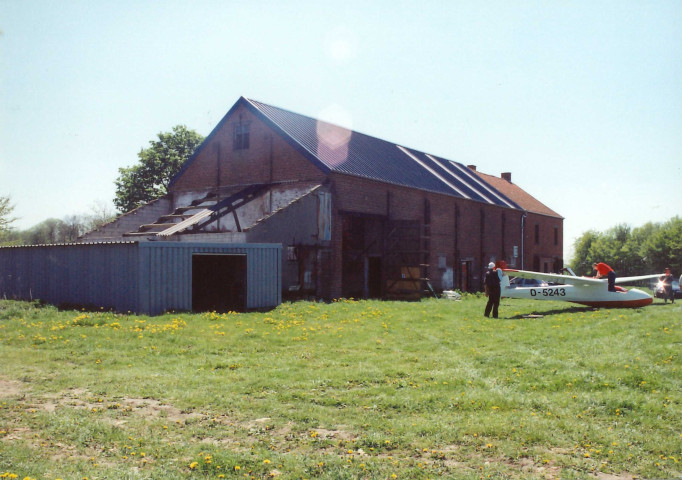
[(141, 277)]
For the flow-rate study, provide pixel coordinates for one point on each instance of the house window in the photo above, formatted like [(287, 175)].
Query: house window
[(241, 136)]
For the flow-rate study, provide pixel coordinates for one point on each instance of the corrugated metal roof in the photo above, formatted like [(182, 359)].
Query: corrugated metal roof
[(340, 150)]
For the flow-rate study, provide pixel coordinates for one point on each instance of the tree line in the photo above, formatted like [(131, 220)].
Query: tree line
[(631, 251), (52, 230)]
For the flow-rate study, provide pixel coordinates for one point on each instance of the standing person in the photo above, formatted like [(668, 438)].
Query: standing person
[(667, 281), (492, 290), (603, 270)]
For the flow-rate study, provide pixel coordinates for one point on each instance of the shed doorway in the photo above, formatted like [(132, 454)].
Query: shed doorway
[(218, 283)]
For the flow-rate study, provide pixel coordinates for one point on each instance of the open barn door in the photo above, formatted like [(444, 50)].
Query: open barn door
[(218, 283)]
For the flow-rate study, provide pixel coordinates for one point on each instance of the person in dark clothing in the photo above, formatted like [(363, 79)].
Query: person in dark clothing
[(491, 282), (603, 270), (667, 281)]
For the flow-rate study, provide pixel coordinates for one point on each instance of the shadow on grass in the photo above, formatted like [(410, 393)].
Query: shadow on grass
[(573, 309), (556, 311), (663, 304)]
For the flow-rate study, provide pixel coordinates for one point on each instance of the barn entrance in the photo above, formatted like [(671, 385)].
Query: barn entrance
[(218, 283), (362, 246)]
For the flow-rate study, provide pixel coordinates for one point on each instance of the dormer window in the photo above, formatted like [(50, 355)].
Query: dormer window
[(241, 136)]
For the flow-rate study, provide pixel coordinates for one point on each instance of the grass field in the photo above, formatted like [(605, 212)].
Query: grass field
[(351, 389)]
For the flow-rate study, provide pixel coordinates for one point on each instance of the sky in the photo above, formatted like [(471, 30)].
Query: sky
[(580, 100)]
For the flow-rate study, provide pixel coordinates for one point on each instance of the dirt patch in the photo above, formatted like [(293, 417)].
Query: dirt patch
[(10, 388), (145, 407), (611, 476), (325, 434)]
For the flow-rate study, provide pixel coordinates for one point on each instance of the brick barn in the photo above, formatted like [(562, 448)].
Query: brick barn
[(357, 216)]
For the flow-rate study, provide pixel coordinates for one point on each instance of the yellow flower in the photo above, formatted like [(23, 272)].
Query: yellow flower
[(237, 467), (193, 465)]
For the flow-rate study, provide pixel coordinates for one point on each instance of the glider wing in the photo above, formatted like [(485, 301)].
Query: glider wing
[(634, 279), (555, 277)]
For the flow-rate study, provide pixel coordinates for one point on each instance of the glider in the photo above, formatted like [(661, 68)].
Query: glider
[(571, 288)]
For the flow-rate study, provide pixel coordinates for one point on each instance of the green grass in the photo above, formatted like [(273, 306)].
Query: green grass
[(363, 389)]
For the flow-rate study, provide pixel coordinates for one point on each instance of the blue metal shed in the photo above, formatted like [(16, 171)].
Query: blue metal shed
[(145, 277)]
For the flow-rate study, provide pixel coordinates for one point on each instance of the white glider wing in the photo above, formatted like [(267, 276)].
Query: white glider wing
[(634, 279), (555, 277), (573, 280)]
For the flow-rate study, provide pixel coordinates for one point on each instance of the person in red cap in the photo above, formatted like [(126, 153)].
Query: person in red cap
[(667, 281), (603, 270)]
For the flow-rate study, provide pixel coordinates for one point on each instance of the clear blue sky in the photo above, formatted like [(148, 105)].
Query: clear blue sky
[(580, 100)]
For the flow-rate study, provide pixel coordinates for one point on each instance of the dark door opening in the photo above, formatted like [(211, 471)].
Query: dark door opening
[(374, 277), (218, 283), (465, 276)]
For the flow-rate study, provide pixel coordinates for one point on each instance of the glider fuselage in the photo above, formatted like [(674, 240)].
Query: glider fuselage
[(589, 291), (591, 296)]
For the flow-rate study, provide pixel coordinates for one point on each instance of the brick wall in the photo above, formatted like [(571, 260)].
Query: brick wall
[(269, 158), (460, 229), (548, 247)]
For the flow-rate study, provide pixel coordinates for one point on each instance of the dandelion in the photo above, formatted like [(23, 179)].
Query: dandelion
[(193, 465)]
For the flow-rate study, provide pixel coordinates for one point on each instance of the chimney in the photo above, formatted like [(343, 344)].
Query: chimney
[(506, 176), (473, 167)]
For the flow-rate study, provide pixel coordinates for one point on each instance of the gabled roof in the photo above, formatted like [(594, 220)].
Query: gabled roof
[(336, 149), (520, 196)]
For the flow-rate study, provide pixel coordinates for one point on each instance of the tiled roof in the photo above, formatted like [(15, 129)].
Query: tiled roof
[(518, 195)]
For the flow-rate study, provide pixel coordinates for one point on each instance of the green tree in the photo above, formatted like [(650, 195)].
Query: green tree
[(640, 263), (664, 247), (45, 233), (643, 250), (149, 178), (6, 209), (581, 263)]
